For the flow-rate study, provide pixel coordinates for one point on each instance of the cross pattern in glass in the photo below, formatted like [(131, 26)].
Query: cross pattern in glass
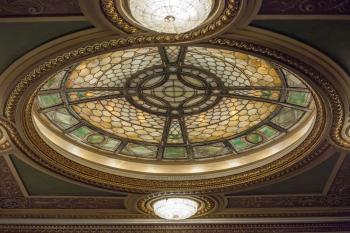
[(174, 103), (173, 91)]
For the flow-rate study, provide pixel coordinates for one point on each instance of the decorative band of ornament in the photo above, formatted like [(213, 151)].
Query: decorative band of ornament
[(227, 16), (110, 10), (206, 204), (183, 228), (49, 158)]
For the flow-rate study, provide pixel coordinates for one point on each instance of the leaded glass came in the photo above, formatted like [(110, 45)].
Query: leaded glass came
[(174, 103)]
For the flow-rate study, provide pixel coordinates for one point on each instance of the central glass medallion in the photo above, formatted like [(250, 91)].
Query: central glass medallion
[(174, 91)]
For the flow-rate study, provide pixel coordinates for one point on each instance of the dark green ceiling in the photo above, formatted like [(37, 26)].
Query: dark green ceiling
[(332, 37), (40, 183), (16, 39), (309, 182)]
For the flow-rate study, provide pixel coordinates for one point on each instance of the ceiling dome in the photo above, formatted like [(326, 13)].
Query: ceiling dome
[(174, 103)]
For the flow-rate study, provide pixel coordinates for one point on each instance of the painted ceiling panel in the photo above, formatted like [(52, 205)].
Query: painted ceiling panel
[(13, 46), (310, 182), (39, 183), (316, 33)]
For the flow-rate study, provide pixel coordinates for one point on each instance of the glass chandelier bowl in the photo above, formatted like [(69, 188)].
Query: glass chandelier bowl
[(170, 16), (175, 208)]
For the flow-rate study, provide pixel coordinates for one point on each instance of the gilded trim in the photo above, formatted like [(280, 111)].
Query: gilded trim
[(4, 142), (110, 10), (229, 14)]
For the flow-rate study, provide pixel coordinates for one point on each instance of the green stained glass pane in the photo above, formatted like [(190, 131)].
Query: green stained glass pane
[(83, 94), (139, 150), (292, 80), (79, 95), (175, 152), (95, 138), (268, 94), (287, 117), (54, 82), (175, 133), (111, 144), (49, 100), (268, 131), (240, 144), (210, 150), (265, 94), (298, 98), (81, 132), (62, 118), (254, 138)]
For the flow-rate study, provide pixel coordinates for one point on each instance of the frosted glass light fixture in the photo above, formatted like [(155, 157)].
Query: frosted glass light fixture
[(170, 16), (175, 208)]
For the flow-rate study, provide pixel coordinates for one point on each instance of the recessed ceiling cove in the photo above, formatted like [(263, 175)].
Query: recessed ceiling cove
[(201, 110), (170, 118)]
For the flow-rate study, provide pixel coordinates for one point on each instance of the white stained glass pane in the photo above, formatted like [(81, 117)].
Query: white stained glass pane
[(175, 16)]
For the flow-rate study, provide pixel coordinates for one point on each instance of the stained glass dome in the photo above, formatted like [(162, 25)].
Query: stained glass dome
[(174, 103)]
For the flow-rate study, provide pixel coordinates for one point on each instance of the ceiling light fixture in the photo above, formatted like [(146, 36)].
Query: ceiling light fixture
[(175, 208), (175, 16)]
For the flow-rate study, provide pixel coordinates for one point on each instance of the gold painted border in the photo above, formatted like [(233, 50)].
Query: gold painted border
[(296, 159), (257, 226)]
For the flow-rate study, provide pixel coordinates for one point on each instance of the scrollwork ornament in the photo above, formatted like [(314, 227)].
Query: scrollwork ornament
[(306, 7), (38, 8), (4, 142), (346, 130), (181, 228)]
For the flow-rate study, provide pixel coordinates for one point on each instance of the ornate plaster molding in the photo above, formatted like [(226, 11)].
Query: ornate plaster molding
[(185, 228), (109, 15), (31, 8), (56, 162), (305, 7), (5, 142)]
